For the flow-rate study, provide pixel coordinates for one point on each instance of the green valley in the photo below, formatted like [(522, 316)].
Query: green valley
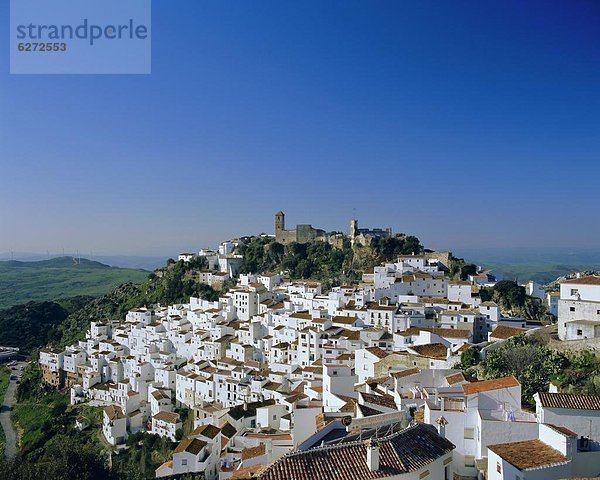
[(61, 277)]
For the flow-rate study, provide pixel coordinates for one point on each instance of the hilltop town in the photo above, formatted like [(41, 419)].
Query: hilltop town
[(290, 378)]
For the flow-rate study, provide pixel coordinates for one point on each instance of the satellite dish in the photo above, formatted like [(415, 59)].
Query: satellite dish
[(346, 421)]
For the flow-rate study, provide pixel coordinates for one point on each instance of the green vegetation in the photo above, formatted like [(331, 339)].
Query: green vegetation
[(469, 358), (39, 410), (320, 260), (388, 249), (65, 456), (46, 424), (4, 381), (460, 270), (536, 365), (513, 299), (22, 282), (29, 326), (145, 454)]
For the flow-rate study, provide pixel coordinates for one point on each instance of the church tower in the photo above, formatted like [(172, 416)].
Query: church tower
[(279, 222)]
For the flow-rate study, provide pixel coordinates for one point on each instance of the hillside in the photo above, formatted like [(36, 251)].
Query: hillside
[(32, 325), (61, 277)]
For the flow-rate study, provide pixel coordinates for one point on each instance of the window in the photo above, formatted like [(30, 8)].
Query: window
[(574, 291), (498, 467), (572, 309), (184, 461), (579, 332), (469, 433), (469, 461)]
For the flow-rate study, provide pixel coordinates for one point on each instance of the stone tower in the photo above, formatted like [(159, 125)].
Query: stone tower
[(279, 222), (353, 228)]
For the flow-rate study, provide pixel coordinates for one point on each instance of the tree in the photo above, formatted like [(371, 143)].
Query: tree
[(533, 365), (469, 358), (468, 269)]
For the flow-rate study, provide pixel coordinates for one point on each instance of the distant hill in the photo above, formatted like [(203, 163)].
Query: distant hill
[(540, 264), (144, 262), (61, 277)]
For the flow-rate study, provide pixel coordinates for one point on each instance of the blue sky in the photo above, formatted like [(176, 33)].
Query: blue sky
[(468, 124)]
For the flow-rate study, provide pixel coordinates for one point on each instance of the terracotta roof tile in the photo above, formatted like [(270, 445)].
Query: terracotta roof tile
[(378, 352), (381, 400), (168, 417), (432, 350), (406, 373), (487, 385), (252, 452), (403, 452), (529, 455), (190, 445), (208, 431), (503, 332), (442, 332), (574, 401), (456, 378), (590, 280)]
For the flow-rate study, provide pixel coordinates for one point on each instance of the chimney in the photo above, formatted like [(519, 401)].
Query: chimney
[(372, 455), (441, 426)]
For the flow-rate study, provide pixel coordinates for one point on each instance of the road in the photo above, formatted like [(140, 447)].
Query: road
[(10, 435)]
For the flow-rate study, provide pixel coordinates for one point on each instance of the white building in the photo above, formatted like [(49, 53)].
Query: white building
[(556, 454), (579, 309), (166, 424)]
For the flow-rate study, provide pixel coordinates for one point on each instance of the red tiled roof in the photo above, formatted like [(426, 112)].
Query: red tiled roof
[(504, 331), (381, 400), (168, 417), (403, 452), (529, 455), (406, 373), (252, 452), (576, 401), (442, 332), (564, 430), (208, 431), (591, 280), (455, 378), (487, 385), (378, 352), (432, 350), (190, 445)]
